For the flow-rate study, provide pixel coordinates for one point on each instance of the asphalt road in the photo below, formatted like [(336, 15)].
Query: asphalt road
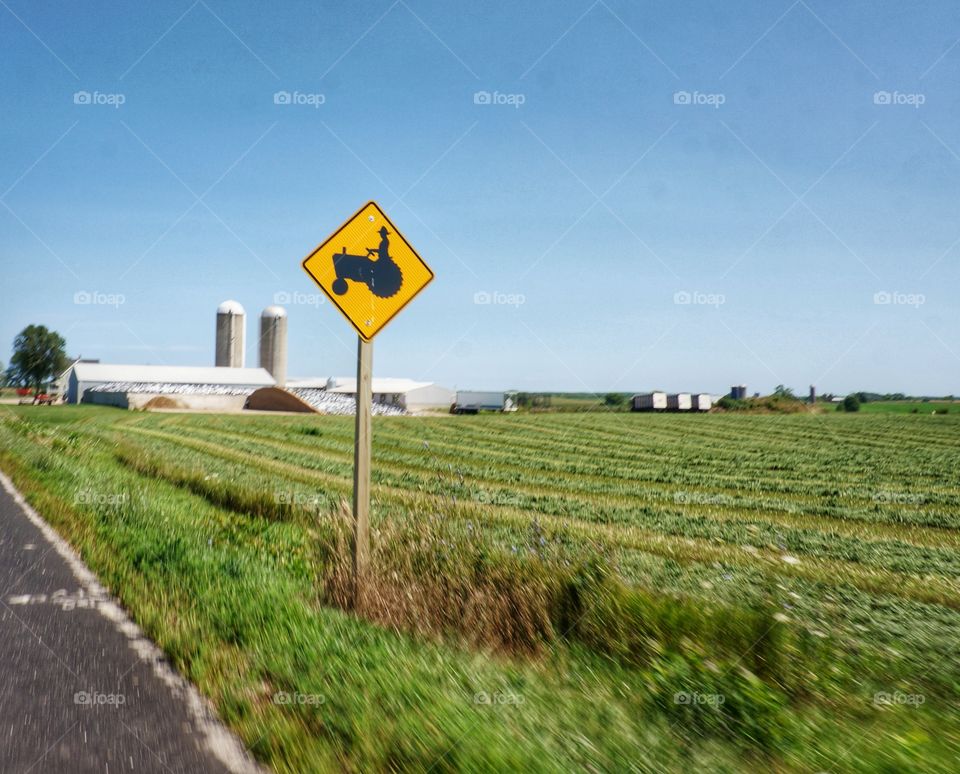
[(81, 689)]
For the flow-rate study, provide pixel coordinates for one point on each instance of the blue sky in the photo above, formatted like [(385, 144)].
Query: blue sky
[(653, 196)]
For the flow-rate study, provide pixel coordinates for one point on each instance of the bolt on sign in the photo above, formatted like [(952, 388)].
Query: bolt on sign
[(368, 270)]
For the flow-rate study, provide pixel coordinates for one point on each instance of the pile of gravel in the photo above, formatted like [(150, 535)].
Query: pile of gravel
[(338, 403)]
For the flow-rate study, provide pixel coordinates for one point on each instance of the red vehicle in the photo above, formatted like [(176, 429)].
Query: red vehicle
[(22, 392), (42, 399)]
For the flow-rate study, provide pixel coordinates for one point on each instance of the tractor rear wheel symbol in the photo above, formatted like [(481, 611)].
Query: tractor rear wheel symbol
[(381, 275)]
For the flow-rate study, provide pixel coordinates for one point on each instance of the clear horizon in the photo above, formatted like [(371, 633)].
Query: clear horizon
[(612, 197)]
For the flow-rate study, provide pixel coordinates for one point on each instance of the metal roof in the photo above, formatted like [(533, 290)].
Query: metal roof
[(379, 385), (108, 372)]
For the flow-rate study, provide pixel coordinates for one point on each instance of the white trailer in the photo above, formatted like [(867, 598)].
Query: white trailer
[(649, 401), (679, 401), (702, 401), (473, 401)]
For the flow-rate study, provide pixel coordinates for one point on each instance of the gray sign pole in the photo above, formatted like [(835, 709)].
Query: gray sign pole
[(361, 470)]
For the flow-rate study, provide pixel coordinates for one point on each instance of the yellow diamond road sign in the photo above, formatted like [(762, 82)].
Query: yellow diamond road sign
[(368, 270)]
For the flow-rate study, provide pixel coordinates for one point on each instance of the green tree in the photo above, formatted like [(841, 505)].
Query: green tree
[(614, 399), (850, 403), (39, 355), (784, 392)]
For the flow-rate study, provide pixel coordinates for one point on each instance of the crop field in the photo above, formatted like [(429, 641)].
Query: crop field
[(583, 591)]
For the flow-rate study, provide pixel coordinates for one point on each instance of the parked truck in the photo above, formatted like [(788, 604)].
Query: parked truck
[(475, 401)]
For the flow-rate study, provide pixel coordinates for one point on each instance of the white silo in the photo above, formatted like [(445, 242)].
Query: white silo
[(231, 336), (273, 342)]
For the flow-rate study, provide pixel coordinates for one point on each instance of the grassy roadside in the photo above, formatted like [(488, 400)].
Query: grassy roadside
[(241, 591)]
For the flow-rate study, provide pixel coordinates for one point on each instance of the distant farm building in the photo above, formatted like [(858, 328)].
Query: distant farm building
[(679, 401), (158, 386), (404, 394)]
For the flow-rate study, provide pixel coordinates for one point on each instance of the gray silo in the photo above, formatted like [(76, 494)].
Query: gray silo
[(738, 391), (273, 342), (231, 336)]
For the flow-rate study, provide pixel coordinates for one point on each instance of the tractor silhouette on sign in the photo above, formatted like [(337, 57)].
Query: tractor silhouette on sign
[(381, 275)]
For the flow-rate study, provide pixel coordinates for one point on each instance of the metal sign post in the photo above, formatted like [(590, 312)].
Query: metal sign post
[(361, 470), (370, 272)]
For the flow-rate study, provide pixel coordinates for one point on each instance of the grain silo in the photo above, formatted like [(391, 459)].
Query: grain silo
[(231, 337), (273, 342)]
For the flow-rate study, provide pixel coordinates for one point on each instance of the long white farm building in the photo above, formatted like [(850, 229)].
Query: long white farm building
[(134, 386)]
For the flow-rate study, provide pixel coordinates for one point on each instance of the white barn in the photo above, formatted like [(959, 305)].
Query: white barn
[(403, 393), (134, 386)]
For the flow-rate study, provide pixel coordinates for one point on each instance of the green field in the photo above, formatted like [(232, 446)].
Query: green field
[(911, 406), (555, 592)]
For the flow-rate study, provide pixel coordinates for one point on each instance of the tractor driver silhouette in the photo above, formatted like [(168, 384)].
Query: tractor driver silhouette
[(382, 276)]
